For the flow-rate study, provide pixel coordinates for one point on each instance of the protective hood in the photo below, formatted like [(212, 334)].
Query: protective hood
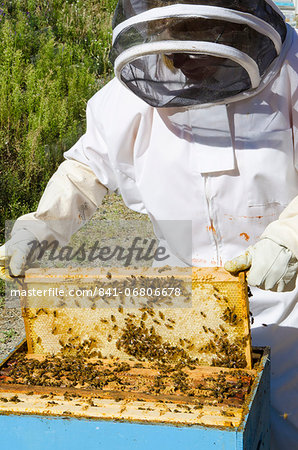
[(188, 53)]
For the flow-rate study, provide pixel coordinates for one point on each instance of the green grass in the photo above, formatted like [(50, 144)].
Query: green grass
[(54, 57), (7, 336)]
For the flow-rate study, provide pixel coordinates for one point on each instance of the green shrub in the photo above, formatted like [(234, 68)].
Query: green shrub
[(54, 57)]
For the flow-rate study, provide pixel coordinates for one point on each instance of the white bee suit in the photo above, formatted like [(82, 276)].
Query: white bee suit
[(231, 170), (210, 138)]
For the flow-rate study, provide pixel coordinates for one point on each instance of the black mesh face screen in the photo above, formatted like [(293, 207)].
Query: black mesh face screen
[(259, 8), (259, 47), (177, 76), (157, 83)]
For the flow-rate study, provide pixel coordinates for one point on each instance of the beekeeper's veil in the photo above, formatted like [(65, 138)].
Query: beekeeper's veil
[(195, 52)]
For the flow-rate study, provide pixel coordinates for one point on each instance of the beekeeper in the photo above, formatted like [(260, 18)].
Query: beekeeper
[(198, 125)]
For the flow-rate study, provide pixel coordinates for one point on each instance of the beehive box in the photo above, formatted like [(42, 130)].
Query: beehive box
[(167, 314), (171, 370), (32, 416)]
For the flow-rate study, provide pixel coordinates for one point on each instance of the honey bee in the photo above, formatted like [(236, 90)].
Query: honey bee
[(15, 399)]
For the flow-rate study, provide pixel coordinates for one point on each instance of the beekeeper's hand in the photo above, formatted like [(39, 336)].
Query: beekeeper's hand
[(271, 266), (14, 254)]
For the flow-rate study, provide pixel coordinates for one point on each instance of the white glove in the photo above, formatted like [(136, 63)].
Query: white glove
[(69, 200), (272, 266), (13, 254)]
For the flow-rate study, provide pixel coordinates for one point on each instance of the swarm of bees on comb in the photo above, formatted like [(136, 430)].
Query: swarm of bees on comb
[(155, 347)]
